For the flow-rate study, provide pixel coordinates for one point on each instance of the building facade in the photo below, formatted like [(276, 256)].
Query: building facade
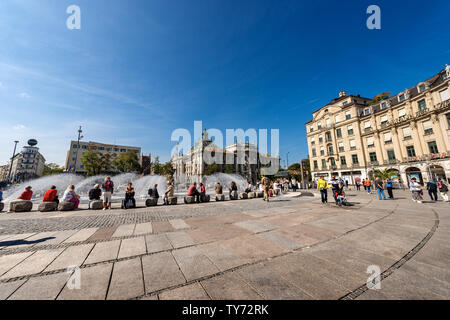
[(27, 164), (242, 159), (408, 134), (76, 151)]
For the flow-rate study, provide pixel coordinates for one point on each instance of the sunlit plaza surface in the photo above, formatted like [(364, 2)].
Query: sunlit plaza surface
[(293, 247)]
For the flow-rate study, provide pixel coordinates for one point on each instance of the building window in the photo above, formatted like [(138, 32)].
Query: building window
[(348, 116), (345, 103), (383, 105), (343, 161), (391, 155), (366, 111), (75, 146), (314, 152), (311, 129), (123, 150), (330, 150), (339, 131), (384, 120), (370, 142), (428, 127), (432, 146), (320, 139), (401, 113), (444, 95), (448, 119), (84, 147), (352, 145), (313, 141), (387, 138), (101, 148), (328, 136), (341, 147), (319, 126), (333, 162), (337, 119), (350, 130), (316, 166), (373, 157), (355, 159), (324, 164), (422, 88), (402, 97), (406, 133), (422, 105), (410, 151), (322, 151)]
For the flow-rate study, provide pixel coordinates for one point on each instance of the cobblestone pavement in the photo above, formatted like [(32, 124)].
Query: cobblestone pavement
[(290, 248)]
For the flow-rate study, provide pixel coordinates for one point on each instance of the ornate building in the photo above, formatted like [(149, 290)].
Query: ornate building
[(241, 159), (408, 133)]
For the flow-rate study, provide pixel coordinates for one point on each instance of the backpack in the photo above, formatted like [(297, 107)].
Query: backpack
[(150, 192), (108, 185)]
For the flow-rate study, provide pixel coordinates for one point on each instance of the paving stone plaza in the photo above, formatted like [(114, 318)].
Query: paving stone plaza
[(291, 248)]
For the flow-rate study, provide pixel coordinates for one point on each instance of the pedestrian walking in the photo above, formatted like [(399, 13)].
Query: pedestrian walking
[(432, 190), (389, 185), (358, 185), (323, 186), (368, 185), (443, 189), (416, 190), (380, 189), (265, 182)]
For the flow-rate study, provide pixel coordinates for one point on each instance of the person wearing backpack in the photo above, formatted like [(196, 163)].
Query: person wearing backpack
[(443, 189), (108, 190)]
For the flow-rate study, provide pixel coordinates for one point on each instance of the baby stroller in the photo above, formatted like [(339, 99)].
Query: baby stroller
[(341, 200)]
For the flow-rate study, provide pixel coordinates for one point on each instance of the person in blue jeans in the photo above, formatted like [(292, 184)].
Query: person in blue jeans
[(388, 184), (432, 190), (380, 189)]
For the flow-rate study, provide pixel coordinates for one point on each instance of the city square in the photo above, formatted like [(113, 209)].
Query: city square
[(291, 248), (224, 159)]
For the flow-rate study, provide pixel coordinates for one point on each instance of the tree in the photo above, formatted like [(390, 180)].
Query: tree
[(211, 169), (127, 162), (52, 168), (384, 174), (91, 162), (168, 170), (229, 169), (157, 167), (294, 167)]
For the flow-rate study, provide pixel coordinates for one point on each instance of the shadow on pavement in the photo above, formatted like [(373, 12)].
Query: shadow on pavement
[(23, 242)]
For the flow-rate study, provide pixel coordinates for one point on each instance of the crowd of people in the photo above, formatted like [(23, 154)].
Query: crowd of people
[(338, 187)]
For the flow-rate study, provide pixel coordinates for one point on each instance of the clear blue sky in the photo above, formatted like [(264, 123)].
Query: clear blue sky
[(139, 69)]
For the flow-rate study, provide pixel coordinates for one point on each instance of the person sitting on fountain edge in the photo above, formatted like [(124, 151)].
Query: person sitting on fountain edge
[(233, 191), (153, 192), (71, 196), (51, 195), (27, 194), (129, 201), (193, 192), (169, 193), (94, 194), (249, 187), (218, 189)]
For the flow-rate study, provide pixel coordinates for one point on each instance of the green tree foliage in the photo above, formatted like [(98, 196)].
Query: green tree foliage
[(127, 162), (91, 162), (384, 174), (168, 170), (157, 167), (211, 169), (52, 168), (230, 169)]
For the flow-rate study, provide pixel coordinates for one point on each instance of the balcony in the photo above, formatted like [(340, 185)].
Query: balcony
[(421, 112), (407, 138), (330, 154), (343, 166), (390, 161), (374, 163), (384, 124), (371, 146), (353, 148), (388, 142), (367, 130)]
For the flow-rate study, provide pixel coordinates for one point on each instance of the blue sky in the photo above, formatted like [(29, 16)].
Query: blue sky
[(137, 70)]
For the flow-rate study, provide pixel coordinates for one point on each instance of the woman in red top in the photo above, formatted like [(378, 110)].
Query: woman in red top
[(27, 194), (51, 195)]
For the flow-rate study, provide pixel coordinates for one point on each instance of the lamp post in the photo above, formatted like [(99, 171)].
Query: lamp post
[(12, 159), (78, 148), (287, 160)]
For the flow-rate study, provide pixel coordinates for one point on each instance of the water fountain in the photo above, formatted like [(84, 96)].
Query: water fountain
[(140, 184)]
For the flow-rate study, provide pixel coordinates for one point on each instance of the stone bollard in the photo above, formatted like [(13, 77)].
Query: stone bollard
[(260, 194), (172, 201), (220, 197), (252, 195), (151, 202), (243, 195), (20, 206), (189, 200), (97, 205), (205, 198), (66, 206), (2, 206), (47, 206)]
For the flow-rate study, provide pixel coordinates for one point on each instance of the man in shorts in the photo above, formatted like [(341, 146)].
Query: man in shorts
[(108, 189)]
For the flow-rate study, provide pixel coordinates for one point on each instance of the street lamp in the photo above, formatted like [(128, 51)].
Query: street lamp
[(78, 148), (12, 159), (287, 160)]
